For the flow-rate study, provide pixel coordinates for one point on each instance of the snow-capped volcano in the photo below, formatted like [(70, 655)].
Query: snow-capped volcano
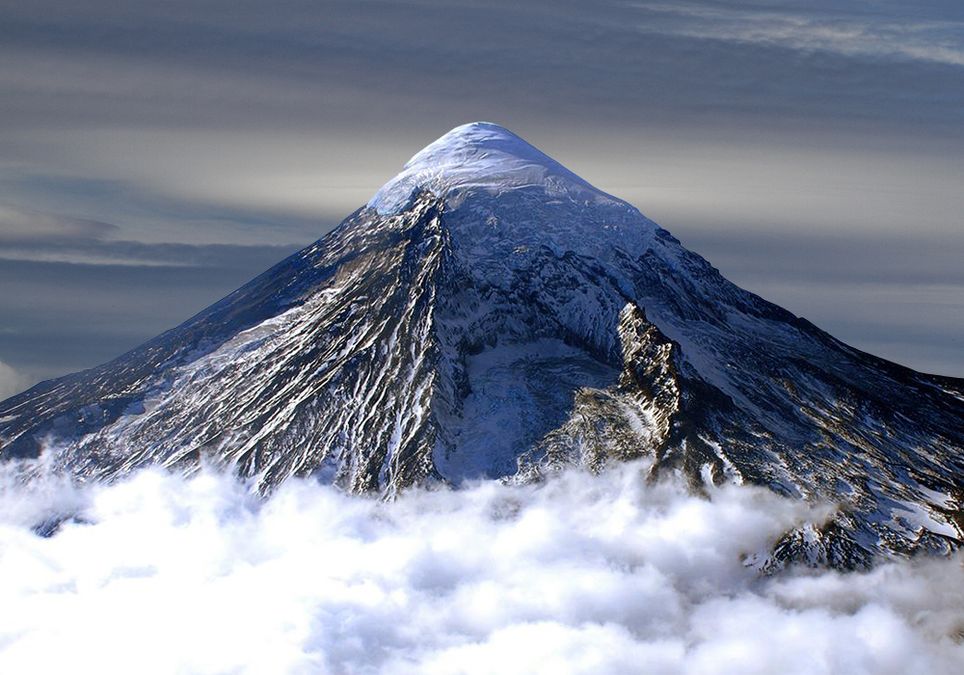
[(490, 314)]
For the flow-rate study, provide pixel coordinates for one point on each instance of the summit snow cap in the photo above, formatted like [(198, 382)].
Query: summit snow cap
[(484, 156)]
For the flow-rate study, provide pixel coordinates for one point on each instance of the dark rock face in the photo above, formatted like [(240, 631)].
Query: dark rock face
[(507, 323)]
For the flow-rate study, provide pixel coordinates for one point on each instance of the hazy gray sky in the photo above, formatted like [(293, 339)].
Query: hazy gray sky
[(154, 156)]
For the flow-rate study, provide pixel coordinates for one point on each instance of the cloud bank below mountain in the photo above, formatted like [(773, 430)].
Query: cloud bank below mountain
[(580, 574)]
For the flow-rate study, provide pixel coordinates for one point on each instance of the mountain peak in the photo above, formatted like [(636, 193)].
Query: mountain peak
[(472, 145), (480, 155)]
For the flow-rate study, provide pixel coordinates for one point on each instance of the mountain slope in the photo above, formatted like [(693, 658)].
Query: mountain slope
[(490, 314)]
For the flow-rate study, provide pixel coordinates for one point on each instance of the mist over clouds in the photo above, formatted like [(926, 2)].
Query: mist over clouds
[(11, 382), (813, 153), (582, 574)]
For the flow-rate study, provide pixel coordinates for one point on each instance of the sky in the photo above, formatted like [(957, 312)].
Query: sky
[(155, 156)]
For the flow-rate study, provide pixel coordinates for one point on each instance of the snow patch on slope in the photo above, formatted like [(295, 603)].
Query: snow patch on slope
[(519, 393)]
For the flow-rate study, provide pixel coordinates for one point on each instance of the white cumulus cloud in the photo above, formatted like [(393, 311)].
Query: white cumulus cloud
[(582, 574)]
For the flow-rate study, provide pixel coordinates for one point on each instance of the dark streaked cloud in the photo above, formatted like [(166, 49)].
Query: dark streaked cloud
[(61, 315), (899, 296), (833, 257), (871, 30), (813, 152), (26, 228), (402, 66)]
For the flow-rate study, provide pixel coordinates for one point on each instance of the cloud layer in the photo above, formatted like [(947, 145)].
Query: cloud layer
[(580, 575), (887, 33)]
